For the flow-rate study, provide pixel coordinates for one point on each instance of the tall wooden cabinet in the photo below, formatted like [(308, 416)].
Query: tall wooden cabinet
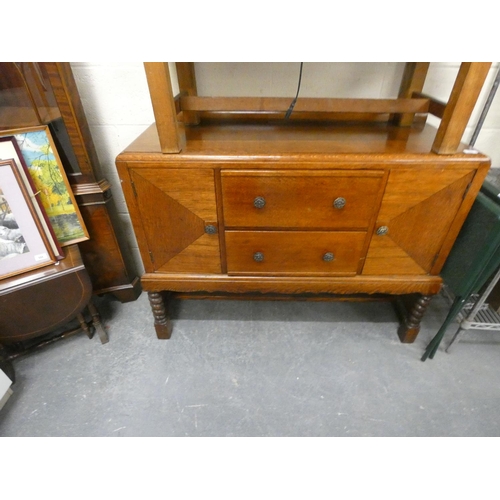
[(33, 94), (346, 199)]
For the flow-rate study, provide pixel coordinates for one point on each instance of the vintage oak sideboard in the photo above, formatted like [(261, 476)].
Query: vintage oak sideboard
[(349, 198)]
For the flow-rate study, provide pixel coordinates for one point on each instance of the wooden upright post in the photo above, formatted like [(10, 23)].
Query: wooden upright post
[(187, 86), (413, 81), (468, 85), (172, 137)]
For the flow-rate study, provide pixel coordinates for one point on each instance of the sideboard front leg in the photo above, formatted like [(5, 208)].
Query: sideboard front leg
[(411, 318), (163, 325)]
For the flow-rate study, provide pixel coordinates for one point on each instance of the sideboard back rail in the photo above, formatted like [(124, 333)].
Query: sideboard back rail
[(187, 106)]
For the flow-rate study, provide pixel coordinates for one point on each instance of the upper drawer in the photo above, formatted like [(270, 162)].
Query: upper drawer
[(301, 199)]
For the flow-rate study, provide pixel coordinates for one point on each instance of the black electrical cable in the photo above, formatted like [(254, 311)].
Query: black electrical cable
[(292, 105)]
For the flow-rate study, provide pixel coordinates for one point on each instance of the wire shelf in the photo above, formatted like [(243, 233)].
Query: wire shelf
[(486, 318)]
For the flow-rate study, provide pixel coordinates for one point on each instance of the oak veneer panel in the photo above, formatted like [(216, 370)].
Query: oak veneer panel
[(193, 189), (170, 227), (203, 255), (174, 216), (421, 230), (385, 257), (294, 252), (300, 199), (407, 187), (419, 207)]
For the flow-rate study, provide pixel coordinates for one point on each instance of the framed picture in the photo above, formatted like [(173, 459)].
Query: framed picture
[(45, 167), (23, 243), (10, 150)]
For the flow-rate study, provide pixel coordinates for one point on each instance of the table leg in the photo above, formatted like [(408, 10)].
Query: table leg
[(96, 321), (84, 325)]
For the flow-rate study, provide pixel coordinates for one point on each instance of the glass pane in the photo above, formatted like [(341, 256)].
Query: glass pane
[(17, 108), (27, 100)]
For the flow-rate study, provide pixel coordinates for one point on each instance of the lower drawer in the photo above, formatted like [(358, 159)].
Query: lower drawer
[(294, 252)]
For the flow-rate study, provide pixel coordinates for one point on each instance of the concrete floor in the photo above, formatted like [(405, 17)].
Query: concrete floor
[(237, 368)]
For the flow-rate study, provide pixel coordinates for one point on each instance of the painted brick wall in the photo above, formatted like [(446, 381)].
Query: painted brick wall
[(116, 101)]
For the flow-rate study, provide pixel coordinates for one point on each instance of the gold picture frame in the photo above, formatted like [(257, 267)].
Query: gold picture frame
[(40, 154)]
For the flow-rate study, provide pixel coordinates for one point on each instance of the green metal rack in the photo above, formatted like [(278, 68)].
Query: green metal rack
[(474, 259)]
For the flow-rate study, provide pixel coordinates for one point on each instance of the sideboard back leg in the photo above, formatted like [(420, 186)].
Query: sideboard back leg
[(411, 318), (163, 325)]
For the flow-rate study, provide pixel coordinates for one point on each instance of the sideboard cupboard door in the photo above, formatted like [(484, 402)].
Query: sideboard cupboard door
[(418, 209), (178, 214)]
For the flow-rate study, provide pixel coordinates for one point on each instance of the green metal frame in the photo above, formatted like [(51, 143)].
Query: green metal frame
[(474, 258)]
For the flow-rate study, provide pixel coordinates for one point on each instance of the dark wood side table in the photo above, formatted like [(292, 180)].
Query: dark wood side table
[(36, 304)]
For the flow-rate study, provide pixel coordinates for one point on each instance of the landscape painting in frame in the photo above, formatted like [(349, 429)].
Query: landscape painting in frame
[(40, 155), (22, 243)]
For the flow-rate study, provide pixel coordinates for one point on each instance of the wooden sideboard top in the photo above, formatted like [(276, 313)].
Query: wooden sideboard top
[(241, 141)]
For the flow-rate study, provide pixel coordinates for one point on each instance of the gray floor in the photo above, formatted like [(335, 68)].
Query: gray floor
[(237, 368)]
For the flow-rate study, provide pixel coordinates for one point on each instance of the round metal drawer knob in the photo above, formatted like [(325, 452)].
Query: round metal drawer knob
[(259, 202), (328, 257), (339, 203), (210, 229), (382, 230), (258, 256)]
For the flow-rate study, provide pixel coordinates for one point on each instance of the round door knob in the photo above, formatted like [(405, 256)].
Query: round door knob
[(210, 229), (259, 202), (382, 230), (339, 203), (258, 256), (328, 257)]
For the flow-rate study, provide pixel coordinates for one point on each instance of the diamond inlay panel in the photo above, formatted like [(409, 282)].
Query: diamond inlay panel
[(419, 208), (169, 226), (421, 230)]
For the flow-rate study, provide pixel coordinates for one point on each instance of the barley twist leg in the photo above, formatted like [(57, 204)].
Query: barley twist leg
[(163, 325)]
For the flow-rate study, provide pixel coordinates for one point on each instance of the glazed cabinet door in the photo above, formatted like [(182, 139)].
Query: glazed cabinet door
[(177, 212)]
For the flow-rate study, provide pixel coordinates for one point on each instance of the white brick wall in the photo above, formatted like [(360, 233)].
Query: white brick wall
[(117, 105), (116, 101)]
